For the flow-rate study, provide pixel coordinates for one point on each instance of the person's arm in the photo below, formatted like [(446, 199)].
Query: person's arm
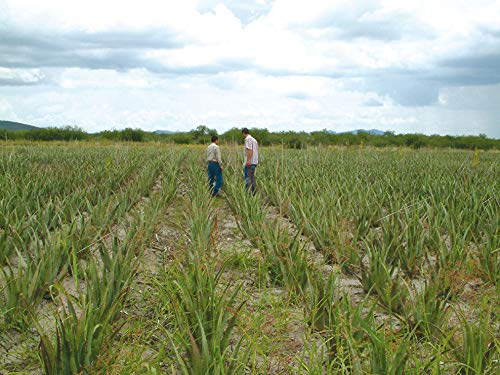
[(218, 157), (249, 156)]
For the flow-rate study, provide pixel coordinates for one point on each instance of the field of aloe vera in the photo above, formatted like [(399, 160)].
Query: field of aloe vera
[(116, 260)]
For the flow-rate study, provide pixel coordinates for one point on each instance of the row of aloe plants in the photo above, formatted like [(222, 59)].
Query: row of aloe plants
[(282, 246), (199, 311)]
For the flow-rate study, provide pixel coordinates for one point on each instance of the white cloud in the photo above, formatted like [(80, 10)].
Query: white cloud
[(283, 63), (6, 110), (20, 76)]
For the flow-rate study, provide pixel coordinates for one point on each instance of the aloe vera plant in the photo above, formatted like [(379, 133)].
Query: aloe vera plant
[(339, 324), (477, 350), (205, 319), (384, 280), (427, 311)]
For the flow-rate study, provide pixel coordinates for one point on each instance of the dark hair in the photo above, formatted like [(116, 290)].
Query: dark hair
[(214, 138), (245, 131)]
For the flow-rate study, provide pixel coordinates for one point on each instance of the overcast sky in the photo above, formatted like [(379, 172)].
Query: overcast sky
[(420, 66)]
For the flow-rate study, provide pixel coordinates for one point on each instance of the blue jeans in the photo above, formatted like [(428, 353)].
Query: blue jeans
[(249, 174), (214, 176)]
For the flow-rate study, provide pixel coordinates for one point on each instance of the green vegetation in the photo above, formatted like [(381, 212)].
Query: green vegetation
[(45, 134), (355, 260), (288, 139)]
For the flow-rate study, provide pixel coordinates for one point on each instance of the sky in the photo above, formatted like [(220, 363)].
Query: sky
[(430, 67)]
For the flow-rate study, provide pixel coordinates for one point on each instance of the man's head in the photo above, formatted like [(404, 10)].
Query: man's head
[(245, 132), (215, 139)]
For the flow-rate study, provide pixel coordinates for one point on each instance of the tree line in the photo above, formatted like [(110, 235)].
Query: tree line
[(288, 139)]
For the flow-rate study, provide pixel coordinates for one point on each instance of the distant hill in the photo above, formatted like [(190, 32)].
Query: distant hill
[(371, 131), (11, 125), (163, 132)]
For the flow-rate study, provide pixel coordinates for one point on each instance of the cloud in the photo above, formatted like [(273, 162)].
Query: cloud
[(290, 37), (6, 110), (373, 103), (405, 90), (385, 26), (140, 39), (282, 62), (103, 50), (299, 95), (481, 98), (246, 10), (481, 69), (364, 20), (20, 77)]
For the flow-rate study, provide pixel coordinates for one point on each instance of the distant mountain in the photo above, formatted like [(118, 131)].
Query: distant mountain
[(11, 125), (163, 132), (371, 131)]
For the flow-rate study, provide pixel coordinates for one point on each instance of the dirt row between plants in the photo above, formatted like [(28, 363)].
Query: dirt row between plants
[(269, 319)]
